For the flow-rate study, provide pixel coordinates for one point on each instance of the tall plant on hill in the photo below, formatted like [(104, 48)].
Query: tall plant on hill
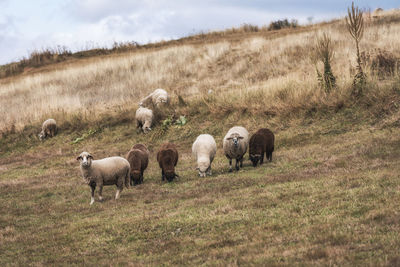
[(324, 53), (355, 26)]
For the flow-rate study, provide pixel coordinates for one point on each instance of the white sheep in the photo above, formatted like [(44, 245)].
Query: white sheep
[(204, 149), (49, 128), (144, 118), (107, 171), (156, 99), (235, 145)]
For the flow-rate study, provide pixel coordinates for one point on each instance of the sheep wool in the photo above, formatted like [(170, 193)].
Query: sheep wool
[(107, 171), (235, 145), (204, 149), (49, 129), (144, 119)]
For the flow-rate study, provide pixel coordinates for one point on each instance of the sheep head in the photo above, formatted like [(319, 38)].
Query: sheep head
[(235, 139), (135, 177), (42, 135), (202, 167), (255, 158), (85, 159)]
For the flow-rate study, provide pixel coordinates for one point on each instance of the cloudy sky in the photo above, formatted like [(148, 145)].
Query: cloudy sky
[(26, 25)]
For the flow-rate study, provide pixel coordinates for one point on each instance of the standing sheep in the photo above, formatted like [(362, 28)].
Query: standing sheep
[(167, 158), (204, 149), (235, 145), (138, 158), (49, 128), (107, 171), (144, 119), (261, 142), (157, 98)]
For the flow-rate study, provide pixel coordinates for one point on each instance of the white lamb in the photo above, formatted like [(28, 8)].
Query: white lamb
[(235, 145), (144, 119), (107, 171), (157, 98), (204, 149)]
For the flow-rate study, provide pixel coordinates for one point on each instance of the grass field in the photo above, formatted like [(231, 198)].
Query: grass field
[(330, 196)]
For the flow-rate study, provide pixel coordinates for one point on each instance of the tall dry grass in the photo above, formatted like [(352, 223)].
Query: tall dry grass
[(269, 74)]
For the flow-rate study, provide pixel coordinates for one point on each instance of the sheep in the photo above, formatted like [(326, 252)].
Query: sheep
[(261, 142), (49, 128), (204, 149), (167, 158), (144, 119), (157, 98), (235, 145), (107, 171), (138, 158)]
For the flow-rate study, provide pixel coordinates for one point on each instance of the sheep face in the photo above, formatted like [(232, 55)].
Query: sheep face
[(136, 177), (255, 158), (203, 167), (235, 139), (146, 127), (85, 159), (42, 135)]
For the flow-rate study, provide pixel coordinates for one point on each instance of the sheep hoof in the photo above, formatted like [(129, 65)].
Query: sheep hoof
[(101, 199), (230, 170), (91, 201)]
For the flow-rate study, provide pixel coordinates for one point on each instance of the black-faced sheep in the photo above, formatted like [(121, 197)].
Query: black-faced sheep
[(167, 158), (204, 150), (156, 99), (235, 145), (107, 171), (49, 129), (262, 142), (138, 158), (144, 119)]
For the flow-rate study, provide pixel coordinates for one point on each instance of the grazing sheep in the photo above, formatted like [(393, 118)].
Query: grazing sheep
[(49, 128), (261, 142), (144, 119), (167, 158), (156, 98), (235, 145), (107, 171), (204, 149), (138, 158)]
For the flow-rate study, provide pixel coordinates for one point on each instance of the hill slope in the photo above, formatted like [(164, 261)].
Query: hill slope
[(330, 195)]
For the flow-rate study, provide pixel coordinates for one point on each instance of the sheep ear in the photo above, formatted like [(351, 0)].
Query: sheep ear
[(229, 138), (78, 158), (240, 137), (90, 156), (197, 168)]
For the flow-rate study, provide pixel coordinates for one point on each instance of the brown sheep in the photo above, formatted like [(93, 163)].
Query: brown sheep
[(261, 142), (167, 158), (138, 158)]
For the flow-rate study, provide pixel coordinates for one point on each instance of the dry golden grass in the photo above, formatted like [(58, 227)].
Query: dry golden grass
[(263, 64)]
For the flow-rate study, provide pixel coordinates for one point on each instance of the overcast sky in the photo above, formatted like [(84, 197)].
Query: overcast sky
[(26, 25)]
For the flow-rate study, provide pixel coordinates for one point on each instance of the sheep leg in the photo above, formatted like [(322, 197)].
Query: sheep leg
[(162, 175), (101, 192), (141, 178), (241, 162), (230, 165), (237, 164), (209, 172), (92, 187), (270, 156), (262, 158)]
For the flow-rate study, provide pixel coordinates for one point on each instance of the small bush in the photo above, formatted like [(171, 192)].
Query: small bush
[(281, 24)]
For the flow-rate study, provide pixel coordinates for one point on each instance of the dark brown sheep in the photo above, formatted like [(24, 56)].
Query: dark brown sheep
[(167, 158), (261, 142), (138, 158)]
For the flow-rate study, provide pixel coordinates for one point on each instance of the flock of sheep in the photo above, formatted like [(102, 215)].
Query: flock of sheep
[(128, 172)]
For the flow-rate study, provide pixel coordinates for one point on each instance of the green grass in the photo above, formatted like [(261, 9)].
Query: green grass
[(330, 196)]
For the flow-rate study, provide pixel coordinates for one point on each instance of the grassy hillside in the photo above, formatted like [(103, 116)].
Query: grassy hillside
[(330, 195)]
